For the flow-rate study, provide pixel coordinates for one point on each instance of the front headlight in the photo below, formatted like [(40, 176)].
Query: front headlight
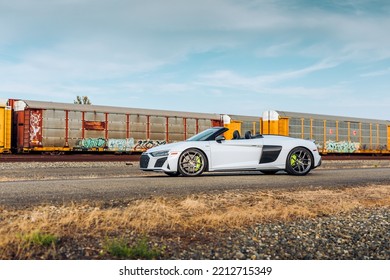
[(160, 154)]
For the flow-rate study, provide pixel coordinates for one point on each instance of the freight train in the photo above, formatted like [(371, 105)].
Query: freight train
[(35, 126), (333, 134)]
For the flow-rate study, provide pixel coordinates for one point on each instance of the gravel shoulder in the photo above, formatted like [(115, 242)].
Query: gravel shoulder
[(363, 234)]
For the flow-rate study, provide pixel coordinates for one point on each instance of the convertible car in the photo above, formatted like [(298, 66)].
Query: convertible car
[(210, 151)]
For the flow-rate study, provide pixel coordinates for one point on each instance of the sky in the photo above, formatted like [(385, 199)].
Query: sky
[(220, 56)]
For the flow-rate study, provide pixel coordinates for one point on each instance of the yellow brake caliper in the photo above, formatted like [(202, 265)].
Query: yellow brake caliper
[(198, 163), (293, 160)]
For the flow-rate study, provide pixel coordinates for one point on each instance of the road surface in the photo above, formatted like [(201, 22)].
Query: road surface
[(40, 184)]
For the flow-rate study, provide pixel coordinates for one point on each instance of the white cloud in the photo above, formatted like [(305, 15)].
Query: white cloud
[(229, 79), (279, 49), (160, 33), (377, 73), (121, 47)]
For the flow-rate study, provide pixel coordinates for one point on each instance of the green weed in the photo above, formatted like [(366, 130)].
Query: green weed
[(141, 250), (40, 239)]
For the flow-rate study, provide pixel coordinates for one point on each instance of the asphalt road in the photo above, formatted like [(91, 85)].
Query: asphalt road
[(123, 183)]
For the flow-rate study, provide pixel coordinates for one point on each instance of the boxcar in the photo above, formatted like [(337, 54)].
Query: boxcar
[(61, 127), (5, 127), (333, 134), (35, 126)]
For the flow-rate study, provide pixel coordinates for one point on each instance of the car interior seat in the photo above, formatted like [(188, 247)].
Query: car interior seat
[(236, 135), (248, 135)]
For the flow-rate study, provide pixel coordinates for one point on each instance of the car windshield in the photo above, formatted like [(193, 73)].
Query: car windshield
[(206, 135)]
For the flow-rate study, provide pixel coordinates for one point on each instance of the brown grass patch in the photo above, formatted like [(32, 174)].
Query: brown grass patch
[(225, 211)]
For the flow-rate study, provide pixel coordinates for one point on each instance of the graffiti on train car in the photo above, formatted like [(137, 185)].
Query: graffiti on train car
[(35, 127), (111, 144), (342, 146), (90, 143), (120, 144), (380, 148), (143, 145)]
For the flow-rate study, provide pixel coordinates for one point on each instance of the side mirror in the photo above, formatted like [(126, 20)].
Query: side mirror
[(220, 138)]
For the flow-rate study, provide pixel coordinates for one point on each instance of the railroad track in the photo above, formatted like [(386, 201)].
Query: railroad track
[(68, 157), (356, 157), (136, 156)]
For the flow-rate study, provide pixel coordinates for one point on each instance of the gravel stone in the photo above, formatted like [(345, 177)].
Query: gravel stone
[(363, 234)]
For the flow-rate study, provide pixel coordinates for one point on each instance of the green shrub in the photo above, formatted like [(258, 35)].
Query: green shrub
[(40, 239), (140, 250)]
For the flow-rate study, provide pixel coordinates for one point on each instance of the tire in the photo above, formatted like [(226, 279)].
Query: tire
[(172, 174), (299, 161), (192, 162)]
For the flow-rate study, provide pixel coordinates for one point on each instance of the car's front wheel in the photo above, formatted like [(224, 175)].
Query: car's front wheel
[(299, 161), (192, 162)]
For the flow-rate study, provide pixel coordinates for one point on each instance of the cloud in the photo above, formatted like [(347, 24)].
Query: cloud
[(138, 48), (377, 73), (229, 79), (279, 49), (97, 31)]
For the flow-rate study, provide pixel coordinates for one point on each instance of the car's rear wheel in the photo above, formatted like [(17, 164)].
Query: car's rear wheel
[(299, 161), (192, 162)]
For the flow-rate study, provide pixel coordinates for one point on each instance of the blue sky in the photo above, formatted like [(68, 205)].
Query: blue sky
[(220, 56)]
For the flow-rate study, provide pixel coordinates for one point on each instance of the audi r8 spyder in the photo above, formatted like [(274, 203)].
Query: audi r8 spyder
[(210, 151)]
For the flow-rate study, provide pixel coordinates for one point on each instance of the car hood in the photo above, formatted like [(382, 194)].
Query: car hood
[(166, 147)]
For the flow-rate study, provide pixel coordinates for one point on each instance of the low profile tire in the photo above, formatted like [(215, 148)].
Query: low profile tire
[(192, 162), (172, 174), (299, 161)]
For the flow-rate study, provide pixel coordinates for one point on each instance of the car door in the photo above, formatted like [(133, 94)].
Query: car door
[(235, 154)]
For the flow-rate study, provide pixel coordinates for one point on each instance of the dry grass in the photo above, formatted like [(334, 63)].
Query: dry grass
[(228, 210)]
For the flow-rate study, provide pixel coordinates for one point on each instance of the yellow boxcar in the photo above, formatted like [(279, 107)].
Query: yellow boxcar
[(5, 128), (333, 134)]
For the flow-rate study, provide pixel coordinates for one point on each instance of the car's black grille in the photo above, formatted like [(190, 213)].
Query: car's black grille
[(160, 162), (144, 161)]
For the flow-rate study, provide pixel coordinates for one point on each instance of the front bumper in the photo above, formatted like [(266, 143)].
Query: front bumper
[(319, 163), (164, 163)]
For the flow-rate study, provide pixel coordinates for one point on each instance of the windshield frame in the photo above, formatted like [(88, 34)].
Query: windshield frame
[(209, 134)]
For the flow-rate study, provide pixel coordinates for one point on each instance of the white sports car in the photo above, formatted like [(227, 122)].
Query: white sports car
[(210, 151)]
